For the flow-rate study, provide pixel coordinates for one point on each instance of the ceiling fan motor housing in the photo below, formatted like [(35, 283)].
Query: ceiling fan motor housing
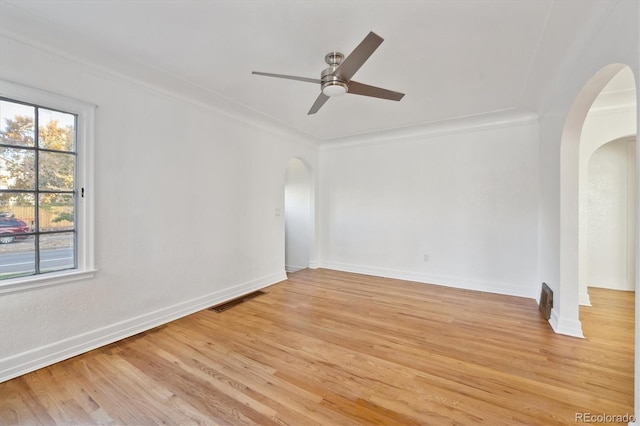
[(333, 85)]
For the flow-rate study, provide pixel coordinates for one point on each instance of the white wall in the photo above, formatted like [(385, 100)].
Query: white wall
[(185, 213), (466, 199), (611, 225), (297, 205)]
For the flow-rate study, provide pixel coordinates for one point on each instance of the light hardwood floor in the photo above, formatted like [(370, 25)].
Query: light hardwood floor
[(334, 348)]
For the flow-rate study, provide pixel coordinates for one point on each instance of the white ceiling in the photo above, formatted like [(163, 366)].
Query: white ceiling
[(453, 59)]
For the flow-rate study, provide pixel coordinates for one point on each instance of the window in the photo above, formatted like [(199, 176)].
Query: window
[(46, 213)]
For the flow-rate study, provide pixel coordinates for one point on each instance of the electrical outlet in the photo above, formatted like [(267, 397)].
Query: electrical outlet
[(426, 257)]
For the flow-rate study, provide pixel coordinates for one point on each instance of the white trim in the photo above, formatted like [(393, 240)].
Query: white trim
[(611, 109), (584, 299), (85, 212), (442, 280), (44, 98), (16, 285), (313, 264), (25, 362), (294, 268), (458, 125), (566, 326)]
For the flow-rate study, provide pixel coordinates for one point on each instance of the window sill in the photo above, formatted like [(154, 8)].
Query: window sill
[(15, 285)]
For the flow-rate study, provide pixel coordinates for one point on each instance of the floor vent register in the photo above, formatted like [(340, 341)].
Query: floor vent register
[(546, 301), (237, 301)]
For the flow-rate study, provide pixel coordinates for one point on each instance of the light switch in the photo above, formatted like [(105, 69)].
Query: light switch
[(277, 212)]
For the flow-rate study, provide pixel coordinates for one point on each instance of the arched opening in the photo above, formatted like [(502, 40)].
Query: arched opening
[(565, 316), (607, 189), (298, 217), (610, 194)]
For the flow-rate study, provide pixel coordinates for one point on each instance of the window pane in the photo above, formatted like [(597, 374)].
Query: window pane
[(17, 206), (57, 252), (56, 212), (56, 130), (13, 228), (56, 171), (16, 124), (17, 258), (17, 168)]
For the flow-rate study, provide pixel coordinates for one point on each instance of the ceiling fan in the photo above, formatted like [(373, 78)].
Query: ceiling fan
[(336, 80)]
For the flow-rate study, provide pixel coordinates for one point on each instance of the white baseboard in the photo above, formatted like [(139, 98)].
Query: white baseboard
[(313, 264), (43, 356), (584, 299), (566, 326), (294, 268), (447, 281)]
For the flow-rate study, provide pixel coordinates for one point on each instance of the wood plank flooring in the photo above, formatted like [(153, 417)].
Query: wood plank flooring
[(334, 348)]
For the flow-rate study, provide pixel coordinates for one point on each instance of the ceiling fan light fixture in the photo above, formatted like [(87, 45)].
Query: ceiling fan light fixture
[(334, 88)]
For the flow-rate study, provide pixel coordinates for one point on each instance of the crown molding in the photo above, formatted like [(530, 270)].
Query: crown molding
[(488, 121), (612, 109)]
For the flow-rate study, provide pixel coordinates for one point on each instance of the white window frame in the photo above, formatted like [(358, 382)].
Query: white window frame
[(85, 227)]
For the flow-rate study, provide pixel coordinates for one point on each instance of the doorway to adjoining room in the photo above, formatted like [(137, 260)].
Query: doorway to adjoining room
[(297, 207)]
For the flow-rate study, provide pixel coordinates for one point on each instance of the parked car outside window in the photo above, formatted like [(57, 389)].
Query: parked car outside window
[(12, 229)]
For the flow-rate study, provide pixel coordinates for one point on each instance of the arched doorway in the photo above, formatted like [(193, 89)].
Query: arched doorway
[(298, 216), (565, 317), (607, 194), (610, 195)]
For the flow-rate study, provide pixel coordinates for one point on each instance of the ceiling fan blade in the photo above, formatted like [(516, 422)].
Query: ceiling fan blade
[(289, 77), (322, 98), (360, 54), (356, 88)]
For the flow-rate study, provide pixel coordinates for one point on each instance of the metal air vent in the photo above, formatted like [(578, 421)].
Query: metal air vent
[(546, 301), (235, 302)]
